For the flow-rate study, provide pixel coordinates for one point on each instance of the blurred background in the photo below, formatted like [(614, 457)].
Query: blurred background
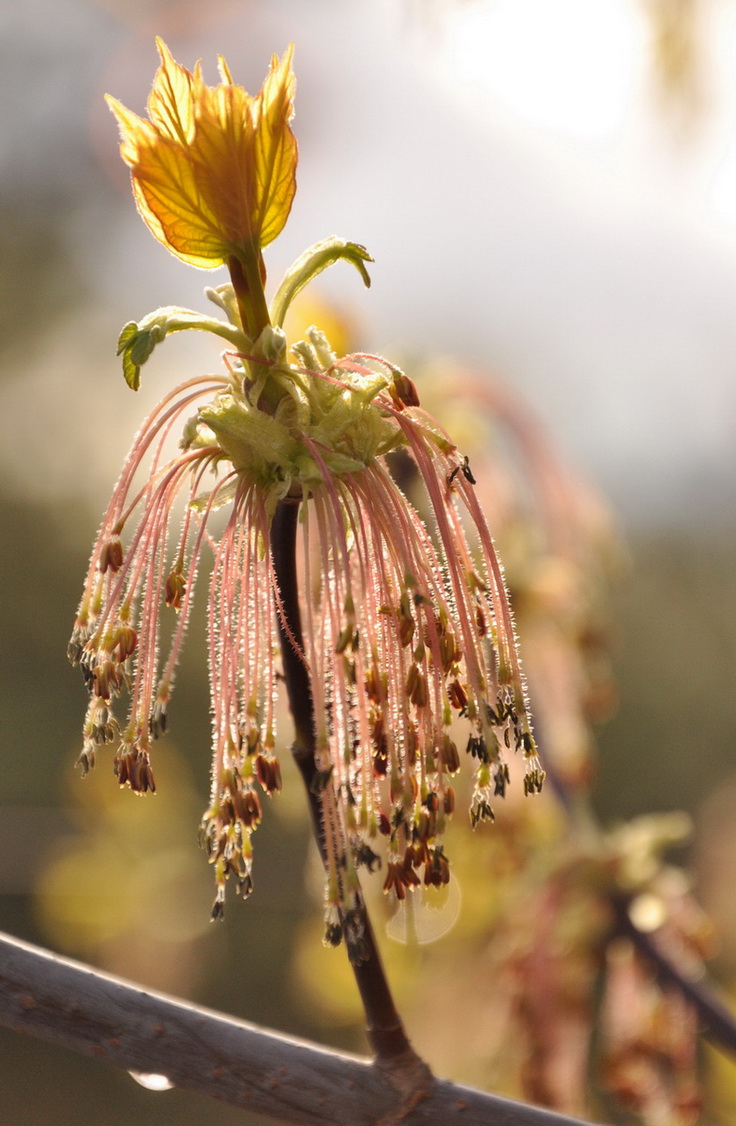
[(548, 188)]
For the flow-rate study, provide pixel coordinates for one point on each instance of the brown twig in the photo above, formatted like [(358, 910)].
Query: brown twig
[(717, 1022), (288, 1080)]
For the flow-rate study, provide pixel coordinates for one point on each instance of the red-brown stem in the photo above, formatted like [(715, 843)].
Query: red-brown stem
[(383, 1024), (245, 275)]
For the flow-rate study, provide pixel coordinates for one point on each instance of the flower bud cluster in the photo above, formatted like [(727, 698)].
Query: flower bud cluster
[(408, 629)]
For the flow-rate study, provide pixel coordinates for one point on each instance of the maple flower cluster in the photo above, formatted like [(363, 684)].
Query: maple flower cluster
[(407, 629)]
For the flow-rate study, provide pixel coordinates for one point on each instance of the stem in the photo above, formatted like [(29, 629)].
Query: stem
[(245, 274), (384, 1027)]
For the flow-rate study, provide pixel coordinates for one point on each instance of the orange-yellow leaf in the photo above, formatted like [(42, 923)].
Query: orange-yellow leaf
[(171, 101), (213, 169)]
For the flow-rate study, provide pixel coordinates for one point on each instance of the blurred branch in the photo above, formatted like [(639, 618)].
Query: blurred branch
[(289, 1080), (717, 1022)]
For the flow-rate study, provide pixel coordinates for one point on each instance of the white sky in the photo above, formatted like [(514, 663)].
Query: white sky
[(529, 206)]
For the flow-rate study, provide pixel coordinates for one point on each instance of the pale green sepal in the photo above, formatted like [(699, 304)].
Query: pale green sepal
[(224, 297), (138, 339), (270, 345), (312, 262), (306, 355), (326, 358), (223, 495), (251, 440)]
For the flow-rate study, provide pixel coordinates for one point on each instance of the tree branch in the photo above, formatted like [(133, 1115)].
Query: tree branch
[(289, 1080), (717, 1022)]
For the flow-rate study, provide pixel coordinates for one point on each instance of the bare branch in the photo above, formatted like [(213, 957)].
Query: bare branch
[(717, 1022), (289, 1080)]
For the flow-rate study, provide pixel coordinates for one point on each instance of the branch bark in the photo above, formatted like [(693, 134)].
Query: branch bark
[(289, 1080)]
